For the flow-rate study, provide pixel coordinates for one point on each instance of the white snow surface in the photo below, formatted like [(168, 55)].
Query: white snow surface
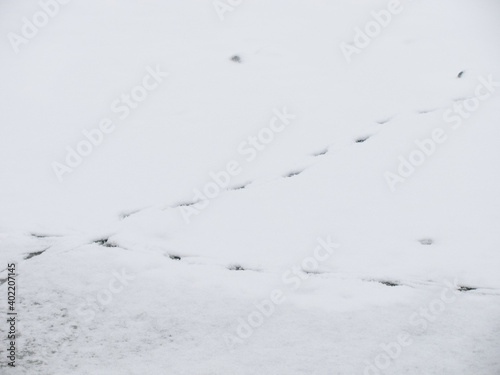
[(174, 316)]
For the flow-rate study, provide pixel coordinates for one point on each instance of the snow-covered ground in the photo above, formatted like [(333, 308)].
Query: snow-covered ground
[(270, 190)]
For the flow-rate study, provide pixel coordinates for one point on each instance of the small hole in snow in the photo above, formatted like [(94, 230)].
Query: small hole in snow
[(323, 152), (239, 187), (236, 59), (124, 215), (236, 267), (37, 235), (465, 288), (34, 254), (425, 111), (105, 242), (292, 174), (426, 241), (311, 272), (186, 204), (388, 283), (382, 122), (361, 140)]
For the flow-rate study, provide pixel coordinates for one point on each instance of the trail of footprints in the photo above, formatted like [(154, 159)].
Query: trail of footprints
[(236, 58), (236, 267), (105, 242), (386, 282), (294, 173)]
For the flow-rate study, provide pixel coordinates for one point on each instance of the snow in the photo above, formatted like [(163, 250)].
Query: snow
[(189, 283)]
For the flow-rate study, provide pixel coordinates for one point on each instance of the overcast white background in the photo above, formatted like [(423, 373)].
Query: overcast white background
[(385, 149)]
